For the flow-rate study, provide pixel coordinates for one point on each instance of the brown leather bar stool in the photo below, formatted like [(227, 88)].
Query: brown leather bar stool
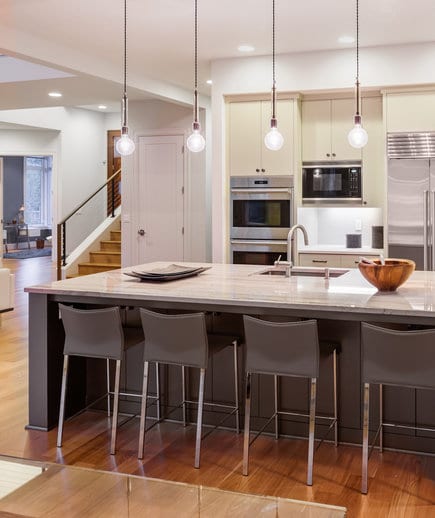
[(285, 349), (182, 339), (398, 358), (95, 333)]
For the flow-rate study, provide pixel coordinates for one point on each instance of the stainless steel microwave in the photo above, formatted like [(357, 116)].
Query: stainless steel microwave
[(332, 182)]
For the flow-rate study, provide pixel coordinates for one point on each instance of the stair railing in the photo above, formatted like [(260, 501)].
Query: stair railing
[(112, 201)]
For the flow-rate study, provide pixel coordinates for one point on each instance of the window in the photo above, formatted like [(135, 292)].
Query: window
[(37, 190)]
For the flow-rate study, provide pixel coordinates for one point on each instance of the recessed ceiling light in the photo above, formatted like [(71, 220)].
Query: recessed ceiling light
[(246, 48), (102, 107), (209, 82), (55, 94), (346, 39)]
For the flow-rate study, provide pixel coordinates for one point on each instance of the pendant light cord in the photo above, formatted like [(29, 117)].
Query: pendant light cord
[(195, 104), (125, 47), (273, 62), (357, 60)]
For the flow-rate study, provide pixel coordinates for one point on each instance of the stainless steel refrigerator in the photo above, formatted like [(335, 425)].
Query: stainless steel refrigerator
[(411, 198)]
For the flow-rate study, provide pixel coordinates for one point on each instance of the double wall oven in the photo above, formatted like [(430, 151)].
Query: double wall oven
[(261, 217)]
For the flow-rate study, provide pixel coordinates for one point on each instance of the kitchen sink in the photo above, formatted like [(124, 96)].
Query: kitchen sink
[(298, 271)]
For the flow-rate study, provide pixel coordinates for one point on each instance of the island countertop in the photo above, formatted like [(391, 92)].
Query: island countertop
[(241, 288)]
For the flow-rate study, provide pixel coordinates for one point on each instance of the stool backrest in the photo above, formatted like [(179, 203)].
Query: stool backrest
[(391, 357), (94, 333), (283, 348), (175, 339)]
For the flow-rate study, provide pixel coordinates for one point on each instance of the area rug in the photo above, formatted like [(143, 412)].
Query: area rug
[(28, 254)]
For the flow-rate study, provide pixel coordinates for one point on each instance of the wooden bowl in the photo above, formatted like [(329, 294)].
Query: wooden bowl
[(388, 276)]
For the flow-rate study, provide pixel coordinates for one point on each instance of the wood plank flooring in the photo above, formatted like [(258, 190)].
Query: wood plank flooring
[(400, 485)]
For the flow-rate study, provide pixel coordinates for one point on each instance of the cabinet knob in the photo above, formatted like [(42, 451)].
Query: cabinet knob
[(257, 170), (333, 154), (328, 154), (141, 232), (263, 170)]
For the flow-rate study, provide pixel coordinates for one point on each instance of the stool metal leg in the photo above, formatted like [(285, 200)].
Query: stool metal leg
[(311, 431), (115, 407), (62, 400), (183, 392), (143, 410), (159, 406), (247, 420), (381, 418), (108, 385), (236, 385), (334, 359), (199, 418), (365, 448), (275, 383)]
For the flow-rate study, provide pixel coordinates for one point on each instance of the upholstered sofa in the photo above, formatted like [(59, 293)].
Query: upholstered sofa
[(7, 290)]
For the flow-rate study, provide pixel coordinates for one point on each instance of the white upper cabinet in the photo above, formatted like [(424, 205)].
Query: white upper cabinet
[(410, 111), (248, 123), (325, 125)]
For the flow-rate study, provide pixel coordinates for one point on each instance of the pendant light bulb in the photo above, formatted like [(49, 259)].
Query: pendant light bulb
[(195, 141), (124, 145), (357, 136), (274, 140)]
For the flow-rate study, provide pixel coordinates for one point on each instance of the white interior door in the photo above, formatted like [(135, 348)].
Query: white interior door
[(160, 199)]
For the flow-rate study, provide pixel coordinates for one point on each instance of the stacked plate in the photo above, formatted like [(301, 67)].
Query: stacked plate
[(168, 273)]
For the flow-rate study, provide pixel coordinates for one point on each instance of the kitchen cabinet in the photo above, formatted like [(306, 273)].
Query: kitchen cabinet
[(248, 123), (373, 154), (410, 111), (332, 260), (325, 125)]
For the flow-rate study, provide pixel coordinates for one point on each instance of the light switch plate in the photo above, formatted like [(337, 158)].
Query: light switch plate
[(358, 224)]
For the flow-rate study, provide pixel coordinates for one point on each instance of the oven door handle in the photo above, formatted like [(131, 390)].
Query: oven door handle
[(262, 191), (258, 242)]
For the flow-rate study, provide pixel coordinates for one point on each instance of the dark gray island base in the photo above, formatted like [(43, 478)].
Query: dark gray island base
[(227, 292)]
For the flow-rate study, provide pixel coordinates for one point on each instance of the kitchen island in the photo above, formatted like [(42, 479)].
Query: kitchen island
[(227, 292)]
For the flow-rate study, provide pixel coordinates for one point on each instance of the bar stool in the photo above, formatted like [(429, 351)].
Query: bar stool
[(95, 333), (23, 234), (391, 357), (286, 349), (183, 340)]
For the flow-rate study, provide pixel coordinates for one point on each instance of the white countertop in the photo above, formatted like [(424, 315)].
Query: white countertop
[(337, 249), (228, 285)]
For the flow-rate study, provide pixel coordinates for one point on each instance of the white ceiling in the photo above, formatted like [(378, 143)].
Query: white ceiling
[(86, 36)]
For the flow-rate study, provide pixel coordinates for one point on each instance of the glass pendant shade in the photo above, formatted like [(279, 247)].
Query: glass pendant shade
[(357, 136), (274, 140), (196, 142), (124, 145)]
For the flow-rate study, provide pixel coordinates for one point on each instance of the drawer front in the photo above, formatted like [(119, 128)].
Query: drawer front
[(330, 260), (351, 261)]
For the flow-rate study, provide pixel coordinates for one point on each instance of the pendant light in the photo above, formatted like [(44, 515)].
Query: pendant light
[(357, 136), (125, 145), (273, 139), (196, 141)]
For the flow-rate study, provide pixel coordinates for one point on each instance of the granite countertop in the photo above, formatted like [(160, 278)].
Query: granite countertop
[(339, 249), (232, 286)]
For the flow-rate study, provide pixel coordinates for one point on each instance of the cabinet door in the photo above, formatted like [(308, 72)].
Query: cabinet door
[(412, 111), (316, 131), (244, 133), (373, 154), (321, 260), (342, 116), (278, 162)]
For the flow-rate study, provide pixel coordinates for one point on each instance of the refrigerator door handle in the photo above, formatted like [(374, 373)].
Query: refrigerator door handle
[(425, 228)]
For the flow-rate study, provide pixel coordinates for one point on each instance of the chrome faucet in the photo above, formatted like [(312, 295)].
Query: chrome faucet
[(290, 249), (290, 242)]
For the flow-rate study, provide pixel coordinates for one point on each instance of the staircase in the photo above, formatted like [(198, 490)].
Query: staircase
[(107, 258)]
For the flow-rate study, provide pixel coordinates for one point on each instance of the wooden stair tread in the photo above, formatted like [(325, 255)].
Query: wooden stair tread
[(106, 252), (111, 241), (109, 265)]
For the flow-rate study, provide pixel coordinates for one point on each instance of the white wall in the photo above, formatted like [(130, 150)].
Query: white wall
[(158, 117), (380, 67)]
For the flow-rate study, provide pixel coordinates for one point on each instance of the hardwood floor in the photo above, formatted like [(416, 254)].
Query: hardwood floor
[(400, 485)]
